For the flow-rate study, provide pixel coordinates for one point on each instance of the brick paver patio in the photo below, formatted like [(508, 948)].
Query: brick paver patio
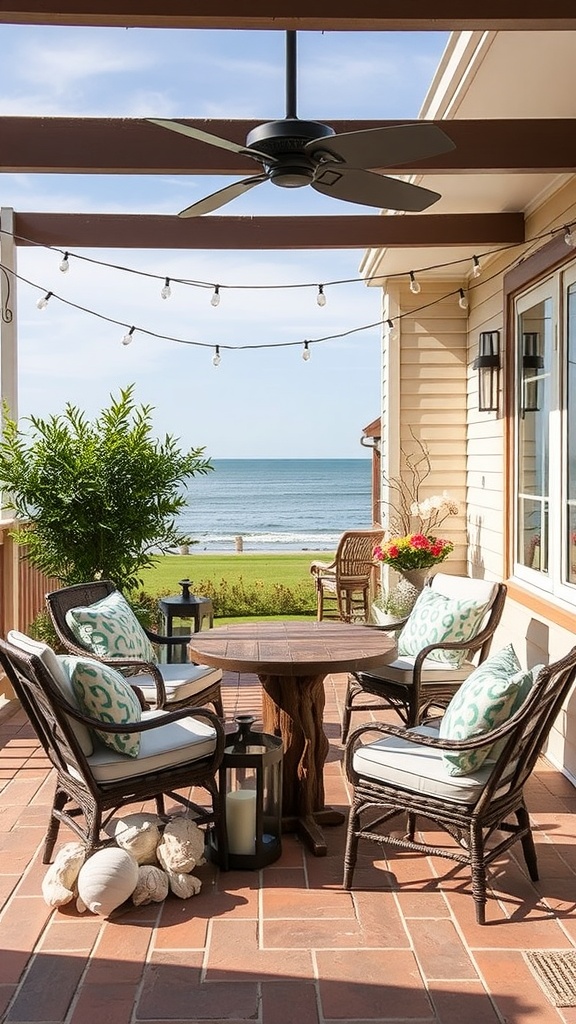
[(286, 945)]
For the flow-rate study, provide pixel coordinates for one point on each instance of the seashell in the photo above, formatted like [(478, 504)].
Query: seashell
[(139, 834), (59, 881), (152, 886), (107, 879), (181, 846), (183, 885)]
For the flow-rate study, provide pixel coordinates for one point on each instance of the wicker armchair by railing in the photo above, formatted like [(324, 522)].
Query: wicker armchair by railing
[(178, 751)]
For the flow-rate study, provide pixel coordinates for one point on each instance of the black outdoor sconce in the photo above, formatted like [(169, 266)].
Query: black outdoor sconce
[(532, 362), (488, 365)]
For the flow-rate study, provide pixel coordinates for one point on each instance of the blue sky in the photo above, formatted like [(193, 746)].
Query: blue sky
[(262, 403)]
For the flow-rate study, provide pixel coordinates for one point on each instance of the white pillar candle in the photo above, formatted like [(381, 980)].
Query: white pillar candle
[(241, 821)]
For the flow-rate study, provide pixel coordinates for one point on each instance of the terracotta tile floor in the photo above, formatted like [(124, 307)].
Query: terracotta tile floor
[(287, 945)]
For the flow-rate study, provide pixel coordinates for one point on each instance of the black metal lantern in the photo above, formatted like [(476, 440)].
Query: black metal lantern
[(251, 790), (488, 365), (532, 362)]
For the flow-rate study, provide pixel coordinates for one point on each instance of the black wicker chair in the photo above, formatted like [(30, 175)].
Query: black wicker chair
[(90, 787), (411, 686), (399, 777), (164, 685)]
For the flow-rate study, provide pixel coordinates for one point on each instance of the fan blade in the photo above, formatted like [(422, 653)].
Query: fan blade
[(212, 140), (368, 189), (223, 196), (385, 147)]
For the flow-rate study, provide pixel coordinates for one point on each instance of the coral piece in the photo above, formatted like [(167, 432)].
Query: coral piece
[(107, 879), (152, 885), (139, 834), (183, 885), (182, 845), (59, 882)]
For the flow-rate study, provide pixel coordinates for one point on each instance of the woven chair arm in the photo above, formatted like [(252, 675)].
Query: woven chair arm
[(317, 568)]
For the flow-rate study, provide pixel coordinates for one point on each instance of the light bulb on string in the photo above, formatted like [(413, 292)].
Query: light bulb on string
[(568, 236), (216, 356), (43, 302), (306, 352), (476, 268), (215, 300), (65, 264), (414, 284), (321, 298), (166, 290), (390, 329), (462, 300), (128, 338)]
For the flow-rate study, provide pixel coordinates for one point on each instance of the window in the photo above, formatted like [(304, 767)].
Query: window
[(545, 436)]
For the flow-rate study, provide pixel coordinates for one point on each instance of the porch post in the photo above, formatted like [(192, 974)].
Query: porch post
[(9, 581)]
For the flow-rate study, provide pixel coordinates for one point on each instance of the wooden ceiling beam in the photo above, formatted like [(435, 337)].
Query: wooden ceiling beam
[(302, 15), (132, 231), (93, 145)]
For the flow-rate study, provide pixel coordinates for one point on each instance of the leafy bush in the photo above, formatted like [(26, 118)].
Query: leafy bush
[(103, 497)]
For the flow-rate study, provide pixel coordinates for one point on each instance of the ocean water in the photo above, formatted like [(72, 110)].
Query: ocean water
[(278, 504)]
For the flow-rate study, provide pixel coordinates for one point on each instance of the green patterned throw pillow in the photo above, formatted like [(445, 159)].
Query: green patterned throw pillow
[(486, 699), (103, 693), (110, 629), (435, 619)]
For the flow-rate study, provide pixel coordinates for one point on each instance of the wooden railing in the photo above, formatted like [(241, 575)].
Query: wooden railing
[(22, 589)]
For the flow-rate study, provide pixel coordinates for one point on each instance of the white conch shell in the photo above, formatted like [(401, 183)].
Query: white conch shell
[(152, 886), (59, 881), (107, 879), (183, 885), (181, 846), (139, 834)]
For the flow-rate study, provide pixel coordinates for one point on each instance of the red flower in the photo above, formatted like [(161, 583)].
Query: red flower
[(392, 551), (418, 540)]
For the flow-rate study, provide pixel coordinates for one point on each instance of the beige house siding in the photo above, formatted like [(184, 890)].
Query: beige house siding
[(424, 394)]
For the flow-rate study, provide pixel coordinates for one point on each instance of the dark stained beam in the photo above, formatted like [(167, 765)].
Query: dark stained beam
[(92, 145), (132, 231), (314, 15)]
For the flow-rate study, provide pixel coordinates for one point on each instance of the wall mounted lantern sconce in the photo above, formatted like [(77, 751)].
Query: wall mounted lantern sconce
[(488, 365), (532, 362)]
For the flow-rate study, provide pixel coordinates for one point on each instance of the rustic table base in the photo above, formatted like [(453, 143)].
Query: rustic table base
[(293, 708)]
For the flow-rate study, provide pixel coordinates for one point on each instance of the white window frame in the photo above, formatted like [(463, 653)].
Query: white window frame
[(552, 583)]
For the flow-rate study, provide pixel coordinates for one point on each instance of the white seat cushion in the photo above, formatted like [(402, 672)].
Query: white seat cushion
[(401, 670), (181, 681), (417, 768), (187, 740), (53, 665)]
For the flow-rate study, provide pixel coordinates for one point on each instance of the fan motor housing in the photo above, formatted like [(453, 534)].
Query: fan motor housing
[(285, 141)]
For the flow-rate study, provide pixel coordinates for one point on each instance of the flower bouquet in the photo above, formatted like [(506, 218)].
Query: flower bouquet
[(414, 551)]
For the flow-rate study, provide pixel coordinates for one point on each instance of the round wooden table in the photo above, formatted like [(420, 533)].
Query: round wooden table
[(292, 659)]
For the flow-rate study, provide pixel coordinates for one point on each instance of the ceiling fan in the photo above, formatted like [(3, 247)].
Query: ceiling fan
[(293, 153)]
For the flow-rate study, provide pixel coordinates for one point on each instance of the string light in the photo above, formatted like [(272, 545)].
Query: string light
[(65, 264), (321, 298), (127, 339), (216, 356), (414, 284), (7, 314), (43, 302), (306, 352), (476, 268), (166, 290), (462, 300), (568, 236), (215, 300)]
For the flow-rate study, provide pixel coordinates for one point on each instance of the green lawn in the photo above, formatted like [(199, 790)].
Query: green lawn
[(290, 570), (241, 585)]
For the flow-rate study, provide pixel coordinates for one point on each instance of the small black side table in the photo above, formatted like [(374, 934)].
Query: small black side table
[(184, 606)]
